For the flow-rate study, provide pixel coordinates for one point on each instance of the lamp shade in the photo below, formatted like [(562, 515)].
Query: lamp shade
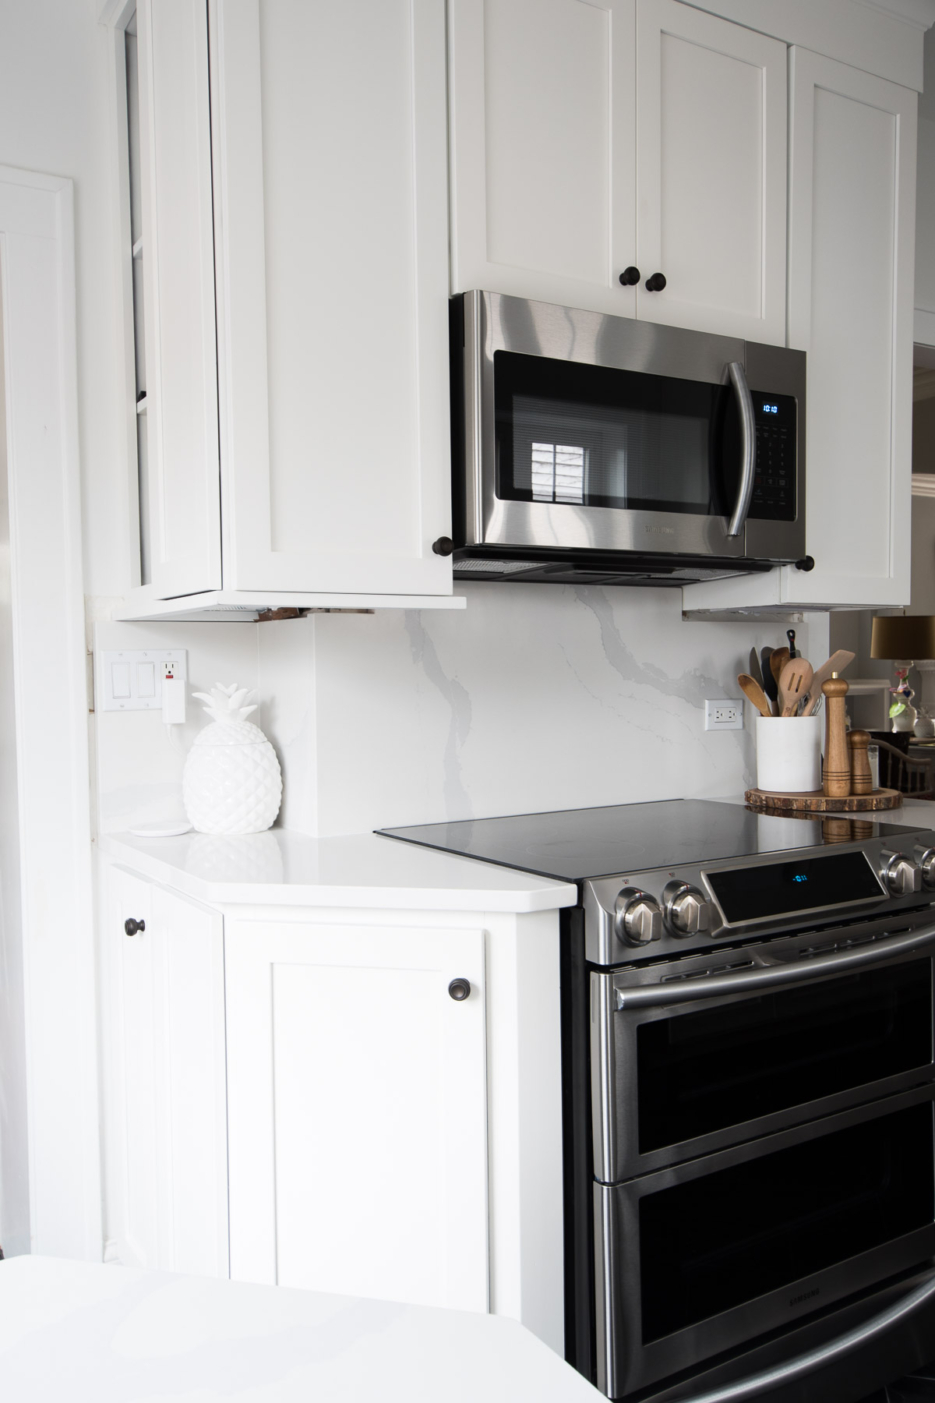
[(907, 636)]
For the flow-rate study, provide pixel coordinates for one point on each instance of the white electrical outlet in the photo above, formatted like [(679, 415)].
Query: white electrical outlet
[(723, 715), (132, 680)]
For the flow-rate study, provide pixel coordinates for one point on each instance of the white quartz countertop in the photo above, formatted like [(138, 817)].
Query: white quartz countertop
[(108, 1334), (282, 868)]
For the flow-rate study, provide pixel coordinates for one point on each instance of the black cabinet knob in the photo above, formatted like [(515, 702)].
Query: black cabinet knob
[(656, 283), (443, 546), (131, 927), (459, 989), (630, 276), (806, 563)]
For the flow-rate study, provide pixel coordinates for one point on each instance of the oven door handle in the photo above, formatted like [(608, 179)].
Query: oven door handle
[(795, 972), (738, 380), (823, 1354)]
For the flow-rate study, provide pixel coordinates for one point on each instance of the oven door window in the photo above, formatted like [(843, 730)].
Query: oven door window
[(703, 1071), (586, 435), (728, 1237)]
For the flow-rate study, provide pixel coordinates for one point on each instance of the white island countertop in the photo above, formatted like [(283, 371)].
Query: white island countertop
[(94, 1334), (283, 868)]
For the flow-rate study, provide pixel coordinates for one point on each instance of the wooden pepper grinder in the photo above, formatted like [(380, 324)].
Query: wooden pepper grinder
[(861, 778), (836, 771)]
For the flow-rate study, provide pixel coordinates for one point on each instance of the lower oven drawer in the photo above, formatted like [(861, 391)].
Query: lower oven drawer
[(672, 1081), (708, 1255)]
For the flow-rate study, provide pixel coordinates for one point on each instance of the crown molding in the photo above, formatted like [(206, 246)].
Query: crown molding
[(920, 13)]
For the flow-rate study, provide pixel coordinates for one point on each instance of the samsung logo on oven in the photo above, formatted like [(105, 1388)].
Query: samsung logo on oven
[(806, 1296), (659, 530)]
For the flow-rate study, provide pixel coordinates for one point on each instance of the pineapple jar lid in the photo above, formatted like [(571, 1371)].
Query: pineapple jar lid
[(227, 711)]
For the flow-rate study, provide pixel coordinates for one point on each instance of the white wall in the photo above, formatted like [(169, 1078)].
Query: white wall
[(14, 1175), (55, 117)]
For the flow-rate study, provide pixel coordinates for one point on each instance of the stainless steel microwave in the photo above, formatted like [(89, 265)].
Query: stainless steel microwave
[(599, 449)]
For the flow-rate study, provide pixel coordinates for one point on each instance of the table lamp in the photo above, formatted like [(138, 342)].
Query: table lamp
[(908, 640)]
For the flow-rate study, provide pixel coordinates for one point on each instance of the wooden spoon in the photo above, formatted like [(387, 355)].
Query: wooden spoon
[(836, 663), (752, 690), (794, 684)]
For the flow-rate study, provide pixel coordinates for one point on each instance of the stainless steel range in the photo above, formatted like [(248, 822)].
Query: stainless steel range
[(748, 1089)]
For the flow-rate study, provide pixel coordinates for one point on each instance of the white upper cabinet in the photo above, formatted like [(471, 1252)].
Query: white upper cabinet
[(590, 137), (711, 173), (543, 146), (293, 165), (331, 218), (173, 269), (852, 212)]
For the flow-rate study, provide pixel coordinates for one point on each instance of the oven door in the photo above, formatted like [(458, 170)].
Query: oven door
[(711, 1050), (601, 433), (705, 1256)]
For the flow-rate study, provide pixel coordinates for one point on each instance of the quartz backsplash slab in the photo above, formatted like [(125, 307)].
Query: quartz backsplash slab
[(534, 697)]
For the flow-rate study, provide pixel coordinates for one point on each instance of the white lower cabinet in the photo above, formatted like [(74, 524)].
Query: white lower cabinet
[(168, 1147), (357, 1111), (309, 1093)]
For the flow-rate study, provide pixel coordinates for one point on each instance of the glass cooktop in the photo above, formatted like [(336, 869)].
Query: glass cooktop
[(574, 844)]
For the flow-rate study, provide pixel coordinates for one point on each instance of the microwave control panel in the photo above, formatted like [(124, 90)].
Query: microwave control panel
[(776, 436)]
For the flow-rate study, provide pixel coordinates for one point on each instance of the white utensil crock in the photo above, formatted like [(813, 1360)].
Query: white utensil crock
[(788, 753)]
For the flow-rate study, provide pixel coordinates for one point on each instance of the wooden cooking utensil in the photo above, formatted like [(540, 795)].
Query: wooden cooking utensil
[(836, 771), (754, 692), (794, 684), (777, 661), (861, 778), (836, 663)]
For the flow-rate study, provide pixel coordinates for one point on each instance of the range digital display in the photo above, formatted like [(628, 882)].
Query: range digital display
[(777, 888)]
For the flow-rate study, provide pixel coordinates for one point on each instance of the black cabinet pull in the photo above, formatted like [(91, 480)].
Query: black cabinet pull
[(630, 276), (459, 989), (656, 283), (806, 563), (443, 546), (131, 927)]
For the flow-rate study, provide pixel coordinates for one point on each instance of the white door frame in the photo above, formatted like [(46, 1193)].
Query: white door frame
[(38, 300)]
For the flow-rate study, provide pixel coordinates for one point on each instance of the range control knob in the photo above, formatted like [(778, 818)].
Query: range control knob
[(901, 876), (926, 860), (687, 909), (637, 917)]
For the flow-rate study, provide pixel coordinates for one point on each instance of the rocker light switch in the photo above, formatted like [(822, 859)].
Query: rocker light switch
[(133, 680)]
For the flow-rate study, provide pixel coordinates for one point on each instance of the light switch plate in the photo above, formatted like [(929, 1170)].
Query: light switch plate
[(132, 680)]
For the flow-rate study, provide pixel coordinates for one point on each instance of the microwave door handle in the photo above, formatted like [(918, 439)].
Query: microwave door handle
[(822, 1355), (795, 972), (738, 380)]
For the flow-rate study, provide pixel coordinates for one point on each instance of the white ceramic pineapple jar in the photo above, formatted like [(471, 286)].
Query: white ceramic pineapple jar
[(232, 781)]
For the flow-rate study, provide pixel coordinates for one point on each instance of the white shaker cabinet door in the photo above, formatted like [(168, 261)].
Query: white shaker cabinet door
[(711, 173), (543, 149), (180, 507), (852, 232), (170, 1199), (357, 1111), (330, 160)]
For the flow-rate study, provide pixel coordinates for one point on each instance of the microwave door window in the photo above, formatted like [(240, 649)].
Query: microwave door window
[(589, 436)]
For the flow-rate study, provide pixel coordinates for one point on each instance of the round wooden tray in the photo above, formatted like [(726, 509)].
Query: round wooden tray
[(819, 803)]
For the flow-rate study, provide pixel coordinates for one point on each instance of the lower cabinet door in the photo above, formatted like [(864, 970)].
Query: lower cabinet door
[(170, 1198), (357, 1110)]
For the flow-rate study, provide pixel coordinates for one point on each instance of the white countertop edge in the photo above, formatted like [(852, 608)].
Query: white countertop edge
[(429, 881)]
